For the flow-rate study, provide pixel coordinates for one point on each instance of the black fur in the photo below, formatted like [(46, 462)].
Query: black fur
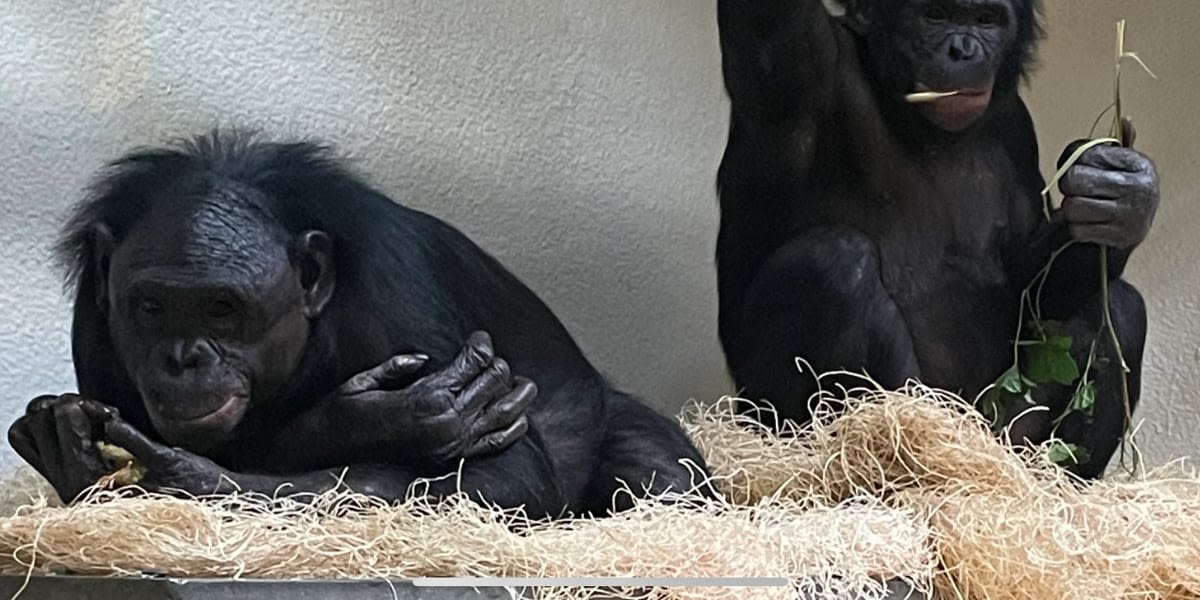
[(406, 283)]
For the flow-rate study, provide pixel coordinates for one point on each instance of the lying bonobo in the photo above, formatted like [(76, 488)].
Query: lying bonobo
[(249, 315)]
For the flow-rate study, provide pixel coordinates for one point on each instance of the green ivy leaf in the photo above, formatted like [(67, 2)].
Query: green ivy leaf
[(1051, 361), (1014, 382), (1058, 342), (1067, 455), (1084, 400)]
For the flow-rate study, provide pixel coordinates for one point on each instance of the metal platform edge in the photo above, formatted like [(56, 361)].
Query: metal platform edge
[(76, 587)]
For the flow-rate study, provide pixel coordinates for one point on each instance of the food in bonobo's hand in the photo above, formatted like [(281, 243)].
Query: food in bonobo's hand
[(128, 472)]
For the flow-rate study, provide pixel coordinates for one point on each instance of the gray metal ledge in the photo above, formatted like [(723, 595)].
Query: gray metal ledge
[(70, 587)]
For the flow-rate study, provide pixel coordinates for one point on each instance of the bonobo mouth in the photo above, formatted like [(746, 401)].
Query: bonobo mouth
[(228, 410), (204, 430), (952, 110)]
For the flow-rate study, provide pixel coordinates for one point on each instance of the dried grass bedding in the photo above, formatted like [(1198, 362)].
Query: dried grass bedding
[(903, 485)]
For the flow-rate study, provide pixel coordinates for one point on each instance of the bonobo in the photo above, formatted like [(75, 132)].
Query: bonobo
[(250, 315), (863, 230)]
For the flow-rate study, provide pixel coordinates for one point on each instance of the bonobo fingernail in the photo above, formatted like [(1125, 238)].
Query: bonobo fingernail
[(421, 356)]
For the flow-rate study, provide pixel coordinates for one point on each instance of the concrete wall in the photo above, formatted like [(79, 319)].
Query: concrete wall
[(576, 140)]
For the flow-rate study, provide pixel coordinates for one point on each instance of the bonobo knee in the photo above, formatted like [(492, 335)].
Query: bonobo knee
[(827, 260), (1128, 310)]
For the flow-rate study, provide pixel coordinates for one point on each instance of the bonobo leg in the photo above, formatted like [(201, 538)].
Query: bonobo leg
[(1101, 432), (819, 298), (642, 449), (520, 476)]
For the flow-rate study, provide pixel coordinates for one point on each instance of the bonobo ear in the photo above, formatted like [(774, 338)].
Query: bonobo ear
[(316, 271), (103, 243), (859, 14)]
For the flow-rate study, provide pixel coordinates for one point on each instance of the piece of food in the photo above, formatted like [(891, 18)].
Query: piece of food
[(128, 471), (919, 97)]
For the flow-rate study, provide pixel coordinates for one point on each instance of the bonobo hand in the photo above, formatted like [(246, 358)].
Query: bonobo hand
[(473, 407), (57, 436), (167, 469), (1110, 194)]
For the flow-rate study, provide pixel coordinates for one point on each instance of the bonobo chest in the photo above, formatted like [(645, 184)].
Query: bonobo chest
[(941, 225), (941, 234)]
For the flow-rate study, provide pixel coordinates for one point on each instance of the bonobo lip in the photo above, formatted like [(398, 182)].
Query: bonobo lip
[(957, 112), (962, 91), (232, 406)]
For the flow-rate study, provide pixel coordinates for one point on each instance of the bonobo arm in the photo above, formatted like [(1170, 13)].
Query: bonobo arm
[(1110, 197), (1075, 275), (58, 436), (778, 56), (519, 477), (472, 407)]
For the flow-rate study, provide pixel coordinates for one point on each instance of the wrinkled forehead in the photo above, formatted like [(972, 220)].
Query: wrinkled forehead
[(219, 237)]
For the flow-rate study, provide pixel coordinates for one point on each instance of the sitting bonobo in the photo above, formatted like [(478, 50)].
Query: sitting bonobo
[(249, 315), (881, 211)]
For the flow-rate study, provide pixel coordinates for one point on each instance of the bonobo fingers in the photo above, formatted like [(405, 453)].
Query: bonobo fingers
[(76, 433), (514, 403), (98, 412), (495, 381), (23, 443), (394, 370), (1108, 155), (1067, 152), (167, 468), (477, 354), (497, 441), (1083, 210), (82, 463), (1111, 157), (57, 436), (1128, 135), (503, 421), (45, 439), (1096, 182), (44, 402), (147, 451)]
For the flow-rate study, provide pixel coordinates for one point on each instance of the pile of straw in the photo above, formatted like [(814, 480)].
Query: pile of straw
[(903, 485)]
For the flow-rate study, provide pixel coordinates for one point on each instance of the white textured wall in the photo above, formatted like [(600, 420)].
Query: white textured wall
[(576, 140)]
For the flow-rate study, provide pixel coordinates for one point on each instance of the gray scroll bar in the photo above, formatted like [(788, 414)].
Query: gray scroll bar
[(600, 581)]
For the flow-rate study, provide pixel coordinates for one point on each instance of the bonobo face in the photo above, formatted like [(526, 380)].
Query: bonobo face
[(209, 314), (955, 46)]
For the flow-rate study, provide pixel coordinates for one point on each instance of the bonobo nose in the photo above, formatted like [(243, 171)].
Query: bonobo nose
[(964, 48), (186, 355)]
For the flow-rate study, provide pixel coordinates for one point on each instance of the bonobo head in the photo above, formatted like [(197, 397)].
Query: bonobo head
[(976, 49), (208, 299)]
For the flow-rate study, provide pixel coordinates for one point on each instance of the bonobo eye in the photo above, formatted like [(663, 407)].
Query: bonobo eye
[(149, 308), (936, 14), (221, 309), (988, 18)]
